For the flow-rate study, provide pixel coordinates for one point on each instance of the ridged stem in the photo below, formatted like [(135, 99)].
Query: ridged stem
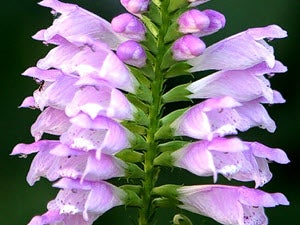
[(151, 173)]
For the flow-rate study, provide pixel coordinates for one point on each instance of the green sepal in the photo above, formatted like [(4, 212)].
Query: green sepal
[(151, 26), (134, 128), (167, 190), (177, 4), (178, 69), (167, 60), (140, 76), (164, 159), (134, 188), (154, 13), (141, 118), (177, 94), (180, 219), (129, 155), (138, 103), (131, 198), (171, 117), (138, 142), (133, 171), (172, 33), (167, 132), (144, 94), (172, 146), (165, 203), (150, 43)]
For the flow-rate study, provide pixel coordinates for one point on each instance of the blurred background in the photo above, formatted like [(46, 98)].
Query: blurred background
[(21, 19)]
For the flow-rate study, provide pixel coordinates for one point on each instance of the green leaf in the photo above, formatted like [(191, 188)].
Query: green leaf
[(154, 14), (151, 26), (138, 103), (172, 146), (129, 155), (164, 159), (178, 69), (177, 4), (178, 93)]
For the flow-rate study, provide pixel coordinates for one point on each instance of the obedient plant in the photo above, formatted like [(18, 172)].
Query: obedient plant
[(105, 95)]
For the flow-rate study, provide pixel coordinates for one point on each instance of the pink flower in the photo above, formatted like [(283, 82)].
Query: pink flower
[(244, 161), (218, 117), (135, 6), (187, 47), (240, 51), (76, 25), (228, 204)]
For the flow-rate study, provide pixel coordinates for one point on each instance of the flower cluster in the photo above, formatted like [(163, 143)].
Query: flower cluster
[(101, 95)]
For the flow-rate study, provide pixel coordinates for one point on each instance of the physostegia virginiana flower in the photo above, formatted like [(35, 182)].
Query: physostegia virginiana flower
[(102, 97)]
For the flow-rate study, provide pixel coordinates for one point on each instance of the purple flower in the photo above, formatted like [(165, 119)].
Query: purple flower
[(218, 117), (132, 53), (129, 26), (187, 47), (201, 23), (242, 85), (240, 51), (135, 6), (55, 160), (76, 25), (228, 204), (244, 161)]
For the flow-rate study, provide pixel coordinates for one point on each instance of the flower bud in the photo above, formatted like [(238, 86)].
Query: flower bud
[(129, 26), (193, 21), (187, 47), (132, 53), (135, 6)]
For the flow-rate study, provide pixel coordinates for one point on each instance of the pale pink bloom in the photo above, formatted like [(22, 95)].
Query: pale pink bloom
[(240, 51), (51, 121), (101, 134), (135, 6), (218, 117), (187, 47), (229, 204), (234, 159), (55, 160), (129, 26), (242, 85), (76, 24)]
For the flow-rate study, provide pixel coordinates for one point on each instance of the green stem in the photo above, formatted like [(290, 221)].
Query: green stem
[(151, 173)]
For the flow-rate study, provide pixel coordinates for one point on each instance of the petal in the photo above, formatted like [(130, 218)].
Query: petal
[(229, 204), (239, 51), (51, 121), (242, 85), (42, 145), (74, 23), (102, 100)]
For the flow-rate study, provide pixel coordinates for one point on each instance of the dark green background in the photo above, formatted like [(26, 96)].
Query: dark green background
[(21, 19)]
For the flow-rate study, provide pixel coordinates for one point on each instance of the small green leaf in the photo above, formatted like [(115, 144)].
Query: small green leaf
[(154, 13), (172, 146), (167, 190), (151, 26), (178, 93), (178, 69), (129, 155), (138, 103), (177, 4), (133, 171), (164, 159)]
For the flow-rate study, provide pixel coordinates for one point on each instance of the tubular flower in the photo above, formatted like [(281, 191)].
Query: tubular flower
[(104, 90), (228, 204)]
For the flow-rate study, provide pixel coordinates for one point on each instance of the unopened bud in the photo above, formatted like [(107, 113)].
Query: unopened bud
[(129, 26), (132, 53), (187, 47), (135, 6), (193, 21)]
